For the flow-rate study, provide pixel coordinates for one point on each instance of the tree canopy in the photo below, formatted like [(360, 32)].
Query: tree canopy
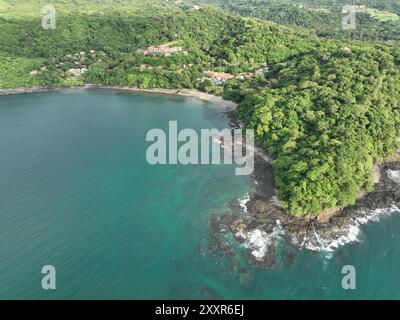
[(326, 110)]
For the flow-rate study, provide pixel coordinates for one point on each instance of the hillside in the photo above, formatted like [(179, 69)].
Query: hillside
[(376, 21), (325, 110)]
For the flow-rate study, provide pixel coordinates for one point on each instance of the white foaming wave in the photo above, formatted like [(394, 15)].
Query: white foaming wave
[(350, 234), (394, 175), (278, 230), (259, 241), (376, 214), (244, 201)]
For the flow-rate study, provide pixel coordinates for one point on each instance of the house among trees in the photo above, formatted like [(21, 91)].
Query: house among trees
[(165, 49), (76, 72), (218, 78), (262, 70), (240, 77)]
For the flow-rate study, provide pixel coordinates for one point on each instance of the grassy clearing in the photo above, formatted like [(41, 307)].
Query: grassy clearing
[(383, 16)]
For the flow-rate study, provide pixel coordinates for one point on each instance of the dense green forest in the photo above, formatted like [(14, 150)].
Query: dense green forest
[(325, 109), (378, 21)]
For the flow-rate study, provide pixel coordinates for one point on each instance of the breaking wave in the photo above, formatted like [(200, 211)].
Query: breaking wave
[(244, 201), (394, 175), (258, 241), (315, 242)]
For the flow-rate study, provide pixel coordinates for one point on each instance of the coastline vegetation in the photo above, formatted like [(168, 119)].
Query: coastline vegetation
[(325, 109)]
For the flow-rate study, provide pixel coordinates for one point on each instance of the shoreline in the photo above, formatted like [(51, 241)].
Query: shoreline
[(260, 224), (259, 221), (188, 93)]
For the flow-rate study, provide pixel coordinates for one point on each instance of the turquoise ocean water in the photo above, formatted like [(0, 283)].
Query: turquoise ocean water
[(77, 193)]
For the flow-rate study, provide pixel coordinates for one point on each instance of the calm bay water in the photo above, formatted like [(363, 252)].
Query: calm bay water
[(76, 192)]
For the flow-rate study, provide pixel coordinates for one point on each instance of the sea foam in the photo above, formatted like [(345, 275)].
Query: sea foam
[(348, 234), (244, 201), (394, 175), (258, 241)]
